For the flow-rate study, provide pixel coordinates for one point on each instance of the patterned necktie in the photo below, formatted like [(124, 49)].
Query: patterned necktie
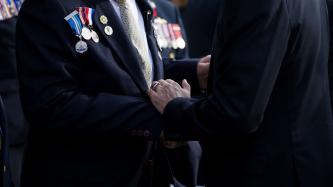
[(132, 28)]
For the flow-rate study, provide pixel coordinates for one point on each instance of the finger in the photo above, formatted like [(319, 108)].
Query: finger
[(186, 85), (172, 82), (163, 83), (154, 85), (152, 93)]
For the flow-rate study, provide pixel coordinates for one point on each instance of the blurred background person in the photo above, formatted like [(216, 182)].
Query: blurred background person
[(183, 157), (200, 17), (9, 90)]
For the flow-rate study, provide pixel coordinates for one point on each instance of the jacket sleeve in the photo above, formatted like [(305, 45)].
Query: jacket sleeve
[(249, 50), (178, 70), (49, 74)]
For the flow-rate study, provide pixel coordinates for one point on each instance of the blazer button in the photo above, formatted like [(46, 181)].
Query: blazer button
[(140, 133), (146, 134)]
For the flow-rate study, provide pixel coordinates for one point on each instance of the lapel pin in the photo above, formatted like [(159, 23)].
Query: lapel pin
[(108, 30), (103, 19)]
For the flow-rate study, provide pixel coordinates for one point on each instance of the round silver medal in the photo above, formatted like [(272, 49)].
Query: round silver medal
[(81, 47), (94, 36), (174, 44), (181, 43), (108, 30), (86, 34)]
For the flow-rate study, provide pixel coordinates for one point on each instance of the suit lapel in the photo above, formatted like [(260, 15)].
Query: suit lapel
[(147, 15), (119, 42)]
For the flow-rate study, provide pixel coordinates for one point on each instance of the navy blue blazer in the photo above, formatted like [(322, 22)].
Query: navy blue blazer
[(267, 119), (91, 120), (5, 179)]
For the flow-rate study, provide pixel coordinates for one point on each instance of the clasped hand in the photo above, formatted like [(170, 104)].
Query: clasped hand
[(164, 91)]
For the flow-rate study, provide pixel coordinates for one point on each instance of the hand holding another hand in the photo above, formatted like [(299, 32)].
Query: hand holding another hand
[(164, 91)]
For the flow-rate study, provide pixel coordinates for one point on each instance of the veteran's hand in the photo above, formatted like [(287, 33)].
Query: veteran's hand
[(164, 91), (203, 71)]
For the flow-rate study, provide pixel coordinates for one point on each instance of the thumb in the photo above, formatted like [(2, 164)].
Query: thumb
[(186, 85)]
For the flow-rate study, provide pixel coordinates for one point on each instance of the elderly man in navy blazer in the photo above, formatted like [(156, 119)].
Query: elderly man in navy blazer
[(85, 68), (266, 121)]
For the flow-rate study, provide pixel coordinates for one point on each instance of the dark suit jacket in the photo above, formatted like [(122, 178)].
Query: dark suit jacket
[(90, 117), (267, 120), (8, 77), (9, 84)]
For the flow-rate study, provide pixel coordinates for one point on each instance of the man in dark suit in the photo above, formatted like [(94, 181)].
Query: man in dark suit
[(267, 118), (84, 70)]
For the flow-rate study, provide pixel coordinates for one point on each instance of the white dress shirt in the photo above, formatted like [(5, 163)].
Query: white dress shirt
[(133, 7)]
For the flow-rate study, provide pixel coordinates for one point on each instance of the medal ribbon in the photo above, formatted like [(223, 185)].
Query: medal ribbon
[(177, 31), (82, 15), (18, 4), (172, 33), (73, 19), (90, 16), (86, 15)]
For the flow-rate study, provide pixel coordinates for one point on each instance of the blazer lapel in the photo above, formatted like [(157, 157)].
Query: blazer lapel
[(119, 42)]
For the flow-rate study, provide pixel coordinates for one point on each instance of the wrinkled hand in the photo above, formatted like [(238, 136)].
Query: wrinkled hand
[(203, 71), (165, 91)]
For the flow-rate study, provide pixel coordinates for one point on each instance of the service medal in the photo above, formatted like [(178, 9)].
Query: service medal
[(181, 43), (86, 33), (81, 47), (75, 23), (94, 36)]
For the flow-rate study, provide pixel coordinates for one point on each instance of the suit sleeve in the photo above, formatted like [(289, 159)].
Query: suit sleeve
[(248, 54), (49, 73), (178, 70)]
